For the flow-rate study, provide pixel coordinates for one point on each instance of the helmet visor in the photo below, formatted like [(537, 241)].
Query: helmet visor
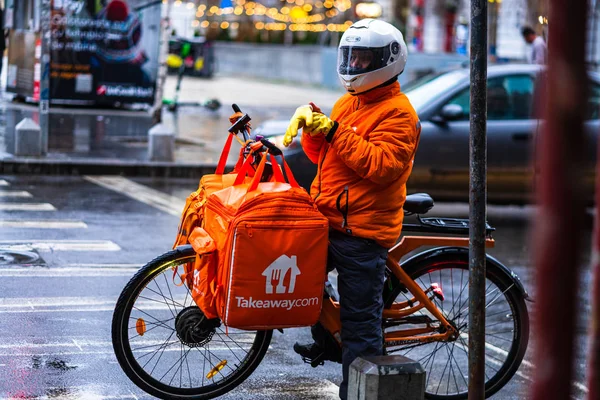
[(354, 60)]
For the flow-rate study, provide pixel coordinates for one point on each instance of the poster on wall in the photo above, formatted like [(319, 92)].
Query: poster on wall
[(104, 51)]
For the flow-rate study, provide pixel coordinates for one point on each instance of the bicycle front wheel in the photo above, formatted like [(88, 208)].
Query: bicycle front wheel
[(168, 348), (506, 325)]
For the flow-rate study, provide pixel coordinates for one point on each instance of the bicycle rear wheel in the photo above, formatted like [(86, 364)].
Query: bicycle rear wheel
[(166, 346), (506, 330)]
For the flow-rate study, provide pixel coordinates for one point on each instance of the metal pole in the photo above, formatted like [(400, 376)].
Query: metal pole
[(477, 199), (165, 34), (45, 72), (594, 351), (559, 221)]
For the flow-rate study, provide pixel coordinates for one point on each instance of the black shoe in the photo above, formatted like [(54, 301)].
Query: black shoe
[(311, 353)]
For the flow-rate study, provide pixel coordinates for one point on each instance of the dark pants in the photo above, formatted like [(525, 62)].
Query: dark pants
[(360, 264)]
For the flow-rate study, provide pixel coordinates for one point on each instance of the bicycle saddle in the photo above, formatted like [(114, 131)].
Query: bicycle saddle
[(418, 203)]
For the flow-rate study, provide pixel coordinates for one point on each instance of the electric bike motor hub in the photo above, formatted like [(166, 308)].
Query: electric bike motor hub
[(193, 328)]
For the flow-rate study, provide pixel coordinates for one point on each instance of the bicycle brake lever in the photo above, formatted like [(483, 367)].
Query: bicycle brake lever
[(271, 147)]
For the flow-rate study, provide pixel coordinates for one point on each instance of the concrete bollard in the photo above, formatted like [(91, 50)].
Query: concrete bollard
[(386, 377), (28, 138), (161, 143)]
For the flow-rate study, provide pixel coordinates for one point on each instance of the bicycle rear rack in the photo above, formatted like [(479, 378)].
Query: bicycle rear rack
[(450, 226)]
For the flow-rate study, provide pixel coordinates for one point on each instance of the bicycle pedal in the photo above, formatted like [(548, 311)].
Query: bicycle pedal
[(315, 362)]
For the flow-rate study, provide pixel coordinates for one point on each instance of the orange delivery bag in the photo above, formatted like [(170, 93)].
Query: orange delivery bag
[(271, 243)]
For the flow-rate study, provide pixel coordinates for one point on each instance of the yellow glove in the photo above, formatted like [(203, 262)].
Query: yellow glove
[(312, 122), (302, 117), (321, 125)]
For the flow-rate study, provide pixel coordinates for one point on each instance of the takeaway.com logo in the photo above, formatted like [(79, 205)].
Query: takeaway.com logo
[(278, 271)]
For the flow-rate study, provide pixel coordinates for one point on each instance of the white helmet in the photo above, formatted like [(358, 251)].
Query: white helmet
[(370, 53)]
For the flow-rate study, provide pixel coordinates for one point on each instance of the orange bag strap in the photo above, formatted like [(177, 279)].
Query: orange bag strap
[(288, 173), (224, 155), (258, 174), (277, 174), (244, 171), (183, 276)]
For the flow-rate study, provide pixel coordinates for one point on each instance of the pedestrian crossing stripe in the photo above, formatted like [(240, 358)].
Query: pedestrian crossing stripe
[(164, 202), (3, 182), (58, 224), (58, 245), (26, 207), (14, 193)]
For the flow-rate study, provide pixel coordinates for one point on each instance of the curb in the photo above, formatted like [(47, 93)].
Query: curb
[(21, 166)]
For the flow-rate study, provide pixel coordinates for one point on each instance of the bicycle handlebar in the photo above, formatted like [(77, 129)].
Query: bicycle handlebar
[(241, 126)]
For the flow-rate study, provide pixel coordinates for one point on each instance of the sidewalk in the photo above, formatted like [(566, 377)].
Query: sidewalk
[(92, 141)]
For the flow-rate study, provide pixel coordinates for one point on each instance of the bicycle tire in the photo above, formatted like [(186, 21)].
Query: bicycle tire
[(125, 355), (507, 286)]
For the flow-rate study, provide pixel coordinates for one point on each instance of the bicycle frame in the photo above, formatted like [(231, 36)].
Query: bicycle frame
[(330, 314)]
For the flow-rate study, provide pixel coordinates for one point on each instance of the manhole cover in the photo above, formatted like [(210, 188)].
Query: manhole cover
[(20, 258)]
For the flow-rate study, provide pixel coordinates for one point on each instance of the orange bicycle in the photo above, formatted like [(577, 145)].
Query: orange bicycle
[(168, 348)]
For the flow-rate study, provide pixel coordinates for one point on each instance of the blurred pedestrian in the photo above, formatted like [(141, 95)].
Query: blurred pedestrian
[(538, 46)]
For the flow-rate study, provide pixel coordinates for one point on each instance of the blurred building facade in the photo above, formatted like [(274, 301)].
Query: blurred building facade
[(430, 26)]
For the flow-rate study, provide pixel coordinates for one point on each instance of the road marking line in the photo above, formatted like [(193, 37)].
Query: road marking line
[(14, 193), (99, 352), (164, 202), (4, 183), (32, 272), (81, 343), (43, 224), (88, 265), (78, 346), (26, 207), (59, 245), (12, 305), (525, 362), (331, 389)]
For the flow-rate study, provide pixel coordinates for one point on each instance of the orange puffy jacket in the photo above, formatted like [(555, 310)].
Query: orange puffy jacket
[(361, 180)]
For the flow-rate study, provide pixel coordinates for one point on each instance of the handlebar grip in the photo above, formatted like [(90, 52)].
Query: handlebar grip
[(236, 108)]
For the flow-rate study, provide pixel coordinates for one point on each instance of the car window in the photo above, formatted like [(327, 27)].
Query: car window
[(593, 111), (508, 97), (422, 95)]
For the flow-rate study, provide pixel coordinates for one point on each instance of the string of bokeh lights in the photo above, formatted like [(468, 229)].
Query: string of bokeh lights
[(294, 16)]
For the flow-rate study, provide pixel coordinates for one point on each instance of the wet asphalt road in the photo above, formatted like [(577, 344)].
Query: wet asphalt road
[(72, 243)]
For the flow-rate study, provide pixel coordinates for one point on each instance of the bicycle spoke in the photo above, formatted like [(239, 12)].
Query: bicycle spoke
[(429, 359), (188, 370), (496, 313), (443, 372), (164, 346), (158, 301), (441, 286), (464, 346), (453, 374), (185, 285), (500, 294), (174, 364), (498, 337), (232, 352), (161, 295), (173, 313), (160, 345), (155, 319), (171, 294)]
